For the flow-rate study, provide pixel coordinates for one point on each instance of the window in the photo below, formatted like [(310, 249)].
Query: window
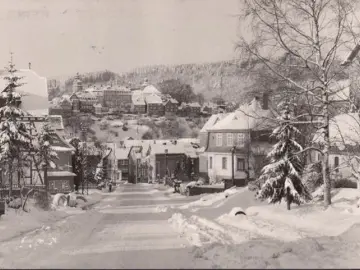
[(210, 162), (229, 140), (240, 164), (241, 139), (224, 163), (336, 164), (219, 139)]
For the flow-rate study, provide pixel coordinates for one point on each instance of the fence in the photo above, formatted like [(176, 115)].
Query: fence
[(4, 189)]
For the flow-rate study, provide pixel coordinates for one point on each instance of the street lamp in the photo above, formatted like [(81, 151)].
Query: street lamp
[(233, 149), (166, 165)]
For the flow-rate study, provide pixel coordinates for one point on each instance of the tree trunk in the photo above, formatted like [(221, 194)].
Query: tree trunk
[(10, 179), (288, 198), (325, 161)]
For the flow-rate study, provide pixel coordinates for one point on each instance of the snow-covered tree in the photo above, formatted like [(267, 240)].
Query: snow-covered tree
[(100, 172), (15, 136), (282, 176), (302, 37), (45, 156)]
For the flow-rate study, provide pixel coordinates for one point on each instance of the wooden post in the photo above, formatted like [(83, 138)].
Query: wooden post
[(46, 181)]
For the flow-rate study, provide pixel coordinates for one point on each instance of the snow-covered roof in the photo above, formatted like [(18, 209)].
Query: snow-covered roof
[(344, 129), (194, 104), (61, 173), (61, 149), (56, 122), (153, 99), (137, 92), (138, 100), (122, 153), (171, 100), (248, 116), (150, 89), (212, 121), (86, 95)]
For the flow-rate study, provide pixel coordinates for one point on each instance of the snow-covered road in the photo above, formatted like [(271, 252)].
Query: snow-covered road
[(128, 229)]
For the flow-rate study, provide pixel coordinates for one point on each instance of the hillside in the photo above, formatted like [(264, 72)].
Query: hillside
[(204, 78)]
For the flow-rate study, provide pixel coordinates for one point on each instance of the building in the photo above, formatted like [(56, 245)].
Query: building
[(138, 104), (246, 133), (137, 169), (116, 97), (75, 103), (60, 176), (154, 105), (77, 84), (98, 109), (165, 156), (171, 106), (87, 101), (344, 132), (203, 139), (98, 93), (150, 90), (194, 109)]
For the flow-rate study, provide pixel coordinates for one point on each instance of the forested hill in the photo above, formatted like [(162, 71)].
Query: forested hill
[(226, 78)]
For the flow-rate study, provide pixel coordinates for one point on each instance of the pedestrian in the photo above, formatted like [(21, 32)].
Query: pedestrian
[(110, 187)]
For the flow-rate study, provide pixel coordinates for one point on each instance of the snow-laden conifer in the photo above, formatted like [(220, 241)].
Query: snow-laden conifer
[(15, 137), (282, 176)]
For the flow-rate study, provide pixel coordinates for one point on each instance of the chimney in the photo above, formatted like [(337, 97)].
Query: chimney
[(29, 65), (265, 104)]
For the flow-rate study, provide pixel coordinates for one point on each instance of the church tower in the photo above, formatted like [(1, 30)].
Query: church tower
[(77, 84)]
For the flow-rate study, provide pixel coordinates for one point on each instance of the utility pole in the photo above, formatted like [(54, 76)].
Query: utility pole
[(166, 166)]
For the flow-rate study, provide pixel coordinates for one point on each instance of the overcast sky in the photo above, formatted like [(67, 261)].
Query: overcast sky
[(61, 37)]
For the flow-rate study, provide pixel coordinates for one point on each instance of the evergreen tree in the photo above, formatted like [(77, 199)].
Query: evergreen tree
[(45, 155), (15, 137), (77, 162), (282, 176)]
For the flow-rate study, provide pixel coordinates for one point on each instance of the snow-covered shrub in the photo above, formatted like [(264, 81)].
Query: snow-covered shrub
[(59, 199), (14, 203), (200, 181), (191, 184)]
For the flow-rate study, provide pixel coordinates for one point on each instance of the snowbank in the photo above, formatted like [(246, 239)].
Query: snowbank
[(187, 230), (161, 209), (211, 199), (17, 222)]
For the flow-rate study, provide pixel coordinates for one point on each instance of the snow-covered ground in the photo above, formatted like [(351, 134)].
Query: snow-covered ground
[(16, 222), (271, 222), (214, 200)]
